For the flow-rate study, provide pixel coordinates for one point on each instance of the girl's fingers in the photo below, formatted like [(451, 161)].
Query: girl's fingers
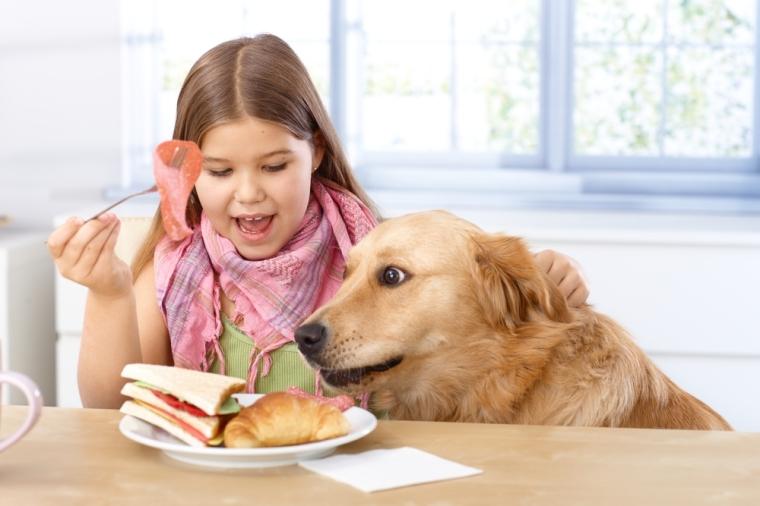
[(76, 245), (566, 274), (92, 252), (544, 260), (568, 285), (113, 237), (60, 237), (554, 264), (108, 245), (559, 270), (574, 289), (578, 297)]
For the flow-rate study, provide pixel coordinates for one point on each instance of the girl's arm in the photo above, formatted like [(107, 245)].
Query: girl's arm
[(124, 330), (566, 274), (111, 336)]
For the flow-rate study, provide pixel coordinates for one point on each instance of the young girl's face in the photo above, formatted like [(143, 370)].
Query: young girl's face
[(255, 183)]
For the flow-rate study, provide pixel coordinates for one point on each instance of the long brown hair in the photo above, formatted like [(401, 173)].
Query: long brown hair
[(259, 77)]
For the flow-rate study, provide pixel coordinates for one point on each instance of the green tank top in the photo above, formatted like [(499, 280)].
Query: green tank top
[(288, 366)]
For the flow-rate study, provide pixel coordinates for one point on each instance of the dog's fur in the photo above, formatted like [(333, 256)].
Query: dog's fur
[(476, 332)]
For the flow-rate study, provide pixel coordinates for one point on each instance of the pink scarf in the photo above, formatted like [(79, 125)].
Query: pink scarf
[(273, 295)]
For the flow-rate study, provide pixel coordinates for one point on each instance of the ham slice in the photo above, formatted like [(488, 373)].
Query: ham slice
[(342, 402), (175, 184)]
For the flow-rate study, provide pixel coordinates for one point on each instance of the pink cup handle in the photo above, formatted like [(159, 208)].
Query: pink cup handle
[(34, 399)]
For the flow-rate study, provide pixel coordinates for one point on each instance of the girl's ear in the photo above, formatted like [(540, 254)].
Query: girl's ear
[(318, 150), (512, 289)]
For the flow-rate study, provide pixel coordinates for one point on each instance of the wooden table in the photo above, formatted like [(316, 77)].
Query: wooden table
[(78, 456)]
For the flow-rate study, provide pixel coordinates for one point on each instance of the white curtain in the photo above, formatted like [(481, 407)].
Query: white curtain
[(141, 90)]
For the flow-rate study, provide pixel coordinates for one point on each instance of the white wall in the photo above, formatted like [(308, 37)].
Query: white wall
[(60, 109)]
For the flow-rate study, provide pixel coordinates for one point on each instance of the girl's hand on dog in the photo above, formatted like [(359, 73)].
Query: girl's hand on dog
[(566, 274)]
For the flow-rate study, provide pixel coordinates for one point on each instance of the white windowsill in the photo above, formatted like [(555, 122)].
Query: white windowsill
[(553, 217), (591, 218)]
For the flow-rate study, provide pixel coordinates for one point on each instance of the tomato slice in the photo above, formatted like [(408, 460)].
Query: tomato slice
[(178, 404), (187, 428)]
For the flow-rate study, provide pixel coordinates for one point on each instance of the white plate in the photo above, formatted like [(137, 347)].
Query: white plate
[(362, 423)]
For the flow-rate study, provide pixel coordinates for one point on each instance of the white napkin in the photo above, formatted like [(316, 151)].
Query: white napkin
[(383, 469)]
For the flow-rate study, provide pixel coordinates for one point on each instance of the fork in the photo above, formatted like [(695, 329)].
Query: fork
[(176, 162)]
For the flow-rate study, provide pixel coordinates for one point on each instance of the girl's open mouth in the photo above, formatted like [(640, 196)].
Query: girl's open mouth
[(254, 228)]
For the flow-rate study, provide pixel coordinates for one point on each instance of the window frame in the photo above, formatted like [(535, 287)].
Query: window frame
[(647, 164), (553, 171), (715, 177)]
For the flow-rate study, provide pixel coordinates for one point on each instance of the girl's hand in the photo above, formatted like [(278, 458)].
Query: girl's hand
[(84, 253), (566, 274)]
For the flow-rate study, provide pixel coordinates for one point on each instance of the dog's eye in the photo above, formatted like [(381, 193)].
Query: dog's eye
[(392, 276)]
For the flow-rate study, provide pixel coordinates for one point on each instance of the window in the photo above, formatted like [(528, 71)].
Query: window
[(675, 78), (584, 96), (163, 38), (469, 81)]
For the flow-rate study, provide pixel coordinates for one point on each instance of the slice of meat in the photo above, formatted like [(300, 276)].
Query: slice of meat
[(175, 184), (342, 402)]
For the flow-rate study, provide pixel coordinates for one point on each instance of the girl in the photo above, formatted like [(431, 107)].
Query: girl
[(273, 214)]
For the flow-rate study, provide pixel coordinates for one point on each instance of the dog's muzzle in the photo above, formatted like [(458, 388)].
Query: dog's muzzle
[(343, 377), (311, 340)]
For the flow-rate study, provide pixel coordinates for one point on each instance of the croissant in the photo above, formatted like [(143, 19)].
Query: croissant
[(280, 419)]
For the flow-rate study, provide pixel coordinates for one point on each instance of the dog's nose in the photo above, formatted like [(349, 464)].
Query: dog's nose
[(311, 338)]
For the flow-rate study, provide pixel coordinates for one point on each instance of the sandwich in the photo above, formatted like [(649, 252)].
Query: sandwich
[(192, 406)]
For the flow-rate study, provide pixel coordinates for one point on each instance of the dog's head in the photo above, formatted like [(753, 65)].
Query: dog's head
[(421, 286)]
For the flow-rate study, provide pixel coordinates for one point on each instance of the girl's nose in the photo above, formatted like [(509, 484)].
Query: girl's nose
[(250, 190)]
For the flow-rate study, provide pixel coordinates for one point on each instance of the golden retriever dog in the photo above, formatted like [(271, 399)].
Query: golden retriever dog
[(439, 320)]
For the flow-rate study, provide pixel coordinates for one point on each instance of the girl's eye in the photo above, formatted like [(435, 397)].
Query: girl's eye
[(274, 168), (219, 172)]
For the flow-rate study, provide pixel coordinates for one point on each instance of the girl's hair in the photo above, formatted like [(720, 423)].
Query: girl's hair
[(257, 77)]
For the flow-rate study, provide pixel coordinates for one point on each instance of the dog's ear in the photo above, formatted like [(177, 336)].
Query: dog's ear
[(513, 288)]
